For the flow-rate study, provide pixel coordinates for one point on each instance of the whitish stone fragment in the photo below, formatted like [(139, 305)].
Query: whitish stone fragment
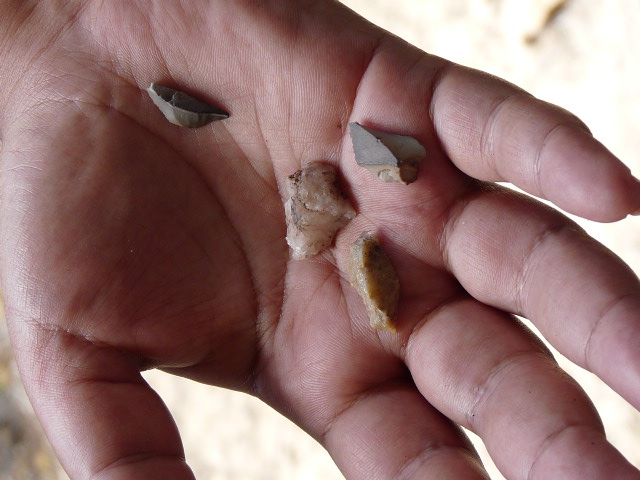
[(374, 278), (390, 157), (182, 109), (316, 209)]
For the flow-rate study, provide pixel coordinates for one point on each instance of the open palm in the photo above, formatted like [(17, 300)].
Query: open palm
[(129, 243)]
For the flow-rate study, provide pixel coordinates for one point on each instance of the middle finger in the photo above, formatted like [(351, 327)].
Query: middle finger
[(486, 372), (510, 252)]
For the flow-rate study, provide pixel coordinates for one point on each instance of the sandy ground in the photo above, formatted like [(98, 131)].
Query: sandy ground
[(580, 54)]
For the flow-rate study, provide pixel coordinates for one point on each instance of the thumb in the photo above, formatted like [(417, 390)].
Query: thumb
[(101, 417)]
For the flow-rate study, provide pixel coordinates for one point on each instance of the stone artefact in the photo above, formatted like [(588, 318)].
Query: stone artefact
[(182, 109), (390, 157), (315, 210), (374, 278)]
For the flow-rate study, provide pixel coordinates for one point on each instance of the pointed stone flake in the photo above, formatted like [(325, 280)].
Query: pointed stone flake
[(390, 157), (182, 109)]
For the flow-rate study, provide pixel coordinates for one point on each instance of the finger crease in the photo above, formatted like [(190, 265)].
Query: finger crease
[(413, 464), (537, 161), (487, 150), (596, 326), (451, 219), (524, 275), (357, 399), (436, 80), (549, 441), (445, 303), (491, 382), (136, 458)]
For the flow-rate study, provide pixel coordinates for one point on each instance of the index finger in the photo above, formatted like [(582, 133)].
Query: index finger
[(495, 131)]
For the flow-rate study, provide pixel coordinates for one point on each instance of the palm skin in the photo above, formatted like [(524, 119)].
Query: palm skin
[(129, 243)]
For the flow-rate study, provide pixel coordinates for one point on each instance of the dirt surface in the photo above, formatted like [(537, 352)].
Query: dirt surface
[(580, 54)]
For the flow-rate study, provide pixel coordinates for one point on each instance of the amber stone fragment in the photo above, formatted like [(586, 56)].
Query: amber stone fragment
[(375, 279)]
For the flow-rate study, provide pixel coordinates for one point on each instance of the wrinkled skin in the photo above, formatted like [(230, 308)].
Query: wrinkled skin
[(129, 243)]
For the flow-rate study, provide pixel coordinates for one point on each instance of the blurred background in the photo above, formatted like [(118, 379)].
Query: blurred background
[(581, 54)]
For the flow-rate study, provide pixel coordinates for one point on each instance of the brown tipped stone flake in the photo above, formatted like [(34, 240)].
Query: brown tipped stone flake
[(374, 278), (315, 210), (390, 157)]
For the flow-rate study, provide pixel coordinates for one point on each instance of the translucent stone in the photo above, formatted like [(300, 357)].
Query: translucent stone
[(316, 209), (375, 279)]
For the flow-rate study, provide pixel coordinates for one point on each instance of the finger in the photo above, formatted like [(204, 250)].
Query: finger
[(518, 256), (484, 371), (325, 369), (102, 419), (393, 433), (494, 131)]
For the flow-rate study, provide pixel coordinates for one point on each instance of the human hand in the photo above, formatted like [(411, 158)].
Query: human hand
[(128, 243)]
